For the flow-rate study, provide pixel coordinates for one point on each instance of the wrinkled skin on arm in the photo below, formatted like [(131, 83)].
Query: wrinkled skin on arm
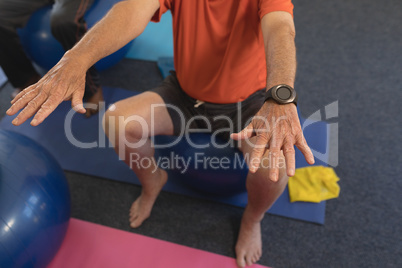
[(277, 127)]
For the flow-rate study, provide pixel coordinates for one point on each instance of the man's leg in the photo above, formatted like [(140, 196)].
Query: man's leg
[(17, 67), (68, 27), (136, 111), (262, 193)]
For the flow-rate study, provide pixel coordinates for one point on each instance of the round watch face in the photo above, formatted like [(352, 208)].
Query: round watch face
[(283, 93)]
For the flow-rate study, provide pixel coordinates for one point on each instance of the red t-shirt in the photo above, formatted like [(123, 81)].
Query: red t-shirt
[(219, 52)]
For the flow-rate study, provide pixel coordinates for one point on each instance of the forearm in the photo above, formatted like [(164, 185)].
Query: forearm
[(124, 22), (280, 53)]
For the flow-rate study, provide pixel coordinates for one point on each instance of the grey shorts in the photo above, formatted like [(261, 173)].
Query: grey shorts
[(191, 115)]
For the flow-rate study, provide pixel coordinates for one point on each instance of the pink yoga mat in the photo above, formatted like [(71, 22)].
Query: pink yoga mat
[(89, 245)]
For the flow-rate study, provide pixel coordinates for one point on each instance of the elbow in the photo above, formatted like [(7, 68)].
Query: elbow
[(285, 30), (278, 24), (292, 31), (281, 31)]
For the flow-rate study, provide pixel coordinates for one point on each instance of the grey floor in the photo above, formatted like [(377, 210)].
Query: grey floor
[(348, 51)]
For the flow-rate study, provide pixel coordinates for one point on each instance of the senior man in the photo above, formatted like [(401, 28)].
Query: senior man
[(228, 55)]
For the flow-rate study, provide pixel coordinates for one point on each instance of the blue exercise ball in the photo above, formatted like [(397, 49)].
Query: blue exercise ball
[(34, 203), (38, 41), (211, 170), (43, 49)]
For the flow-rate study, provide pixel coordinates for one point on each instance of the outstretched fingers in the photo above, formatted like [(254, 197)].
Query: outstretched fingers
[(31, 103), (289, 153), (246, 133), (21, 100), (301, 143), (274, 155), (22, 93), (46, 109), (76, 102), (258, 151)]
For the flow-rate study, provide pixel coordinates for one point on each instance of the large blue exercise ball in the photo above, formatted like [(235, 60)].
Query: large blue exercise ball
[(211, 170), (46, 51), (34, 203)]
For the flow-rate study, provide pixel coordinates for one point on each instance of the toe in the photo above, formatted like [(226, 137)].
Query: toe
[(256, 258), (241, 261), (253, 260), (138, 219), (249, 260), (133, 217), (133, 211), (136, 223), (134, 208)]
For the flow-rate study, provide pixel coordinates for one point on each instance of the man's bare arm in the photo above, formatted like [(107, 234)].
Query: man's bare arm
[(124, 22), (66, 80), (277, 127), (279, 39)]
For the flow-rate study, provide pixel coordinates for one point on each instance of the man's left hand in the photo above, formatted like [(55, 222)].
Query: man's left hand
[(276, 127)]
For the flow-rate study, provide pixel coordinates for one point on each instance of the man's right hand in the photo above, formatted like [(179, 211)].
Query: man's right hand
[(124, 22), (65, 81)]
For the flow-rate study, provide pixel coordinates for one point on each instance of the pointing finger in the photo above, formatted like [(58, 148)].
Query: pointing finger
[(259, 149), (301, 143), (23, 92), (30, 109), (76, 101), (22, 101), (289, 153), (246, 133), (45, 110)]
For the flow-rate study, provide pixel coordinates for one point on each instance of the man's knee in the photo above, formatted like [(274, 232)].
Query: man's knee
[(118, 125)]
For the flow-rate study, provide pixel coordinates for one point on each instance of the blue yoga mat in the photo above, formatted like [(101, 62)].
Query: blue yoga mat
[(104, 163), (156, 41)]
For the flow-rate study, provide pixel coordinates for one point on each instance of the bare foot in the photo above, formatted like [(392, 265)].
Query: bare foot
[(141, 208), (248, 246), (95, 99)]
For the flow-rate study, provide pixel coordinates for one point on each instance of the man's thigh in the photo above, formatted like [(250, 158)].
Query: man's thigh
[(15, 13), (144, 112)]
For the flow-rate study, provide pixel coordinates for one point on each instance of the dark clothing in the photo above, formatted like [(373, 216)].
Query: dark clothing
[(15, 64), (217, 116), (67, 25)]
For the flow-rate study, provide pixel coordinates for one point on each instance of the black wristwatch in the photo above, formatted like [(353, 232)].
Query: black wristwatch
[(282, 94)]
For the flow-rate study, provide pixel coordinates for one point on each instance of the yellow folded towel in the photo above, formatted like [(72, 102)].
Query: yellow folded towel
[(313, 184)]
